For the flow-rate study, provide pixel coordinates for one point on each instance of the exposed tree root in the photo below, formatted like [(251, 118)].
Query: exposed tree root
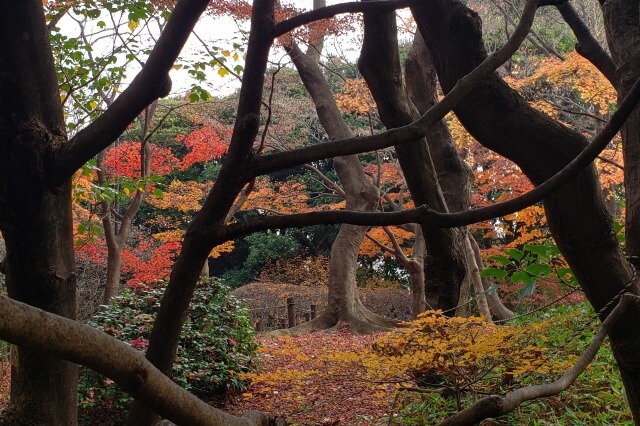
[(362, 322)]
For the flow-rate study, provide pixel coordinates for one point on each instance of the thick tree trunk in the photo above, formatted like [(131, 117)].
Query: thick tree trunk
[(501, 120), (201, 236), (35, 219), (40, 272), (454, 176), (114, 270), (360, 195), (379, 64), (622, 24)]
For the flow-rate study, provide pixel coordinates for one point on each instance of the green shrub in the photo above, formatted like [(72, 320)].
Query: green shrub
[(215, 346)]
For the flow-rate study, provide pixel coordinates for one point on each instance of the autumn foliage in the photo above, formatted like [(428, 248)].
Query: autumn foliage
[(340, 378)]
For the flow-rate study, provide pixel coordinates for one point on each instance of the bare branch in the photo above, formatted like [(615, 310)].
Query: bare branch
[(35, 329), (495, 406), (330, 11), (587, 45), (425, 215), (411, 132)]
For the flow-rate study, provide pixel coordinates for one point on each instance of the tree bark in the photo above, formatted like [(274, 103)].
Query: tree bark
[(501, 120), (622, 25), (35, 218), (495, 303), (379, 64), (40, 331), (360, 195), (203, 233), (474, 275)]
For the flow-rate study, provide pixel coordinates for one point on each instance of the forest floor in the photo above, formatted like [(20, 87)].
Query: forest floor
[(5, 384), (300, 382)]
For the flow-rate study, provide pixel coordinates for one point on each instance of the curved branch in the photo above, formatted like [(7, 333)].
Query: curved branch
[(327, 12), (151, 83), (425, 215), (37, 330), (495, 406), (411, 132)]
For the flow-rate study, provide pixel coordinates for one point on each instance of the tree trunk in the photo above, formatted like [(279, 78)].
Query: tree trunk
[(454, 175), (495, 304), (379, 64), (501, 120), (202, 235), (474, 275), (622, 25), (416, 274), (35, 218), (114, 270), (360, 194)]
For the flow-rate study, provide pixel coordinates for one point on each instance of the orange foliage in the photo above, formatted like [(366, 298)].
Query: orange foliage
[(124, 160), (148, 262), (371, 249), (388, 173), (205, 144), (276, 197), (574, 72), (356, 98), (182, 196)]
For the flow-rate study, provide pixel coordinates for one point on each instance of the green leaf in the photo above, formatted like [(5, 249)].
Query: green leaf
[(503, 260), (538, 269), (158, 193), (527, 291), (538, 249), (521, 276), (493, 272), (515, 253)]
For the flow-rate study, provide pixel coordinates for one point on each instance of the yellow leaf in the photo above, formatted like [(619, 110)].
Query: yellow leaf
[(133, 24), (93, 104), (226, 53), (222, 72), (235, 57)]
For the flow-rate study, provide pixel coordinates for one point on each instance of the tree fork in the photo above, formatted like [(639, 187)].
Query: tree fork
[(445, 265)]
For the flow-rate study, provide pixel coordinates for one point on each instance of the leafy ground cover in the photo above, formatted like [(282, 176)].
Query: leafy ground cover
[(326, 379), (341, 379)]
